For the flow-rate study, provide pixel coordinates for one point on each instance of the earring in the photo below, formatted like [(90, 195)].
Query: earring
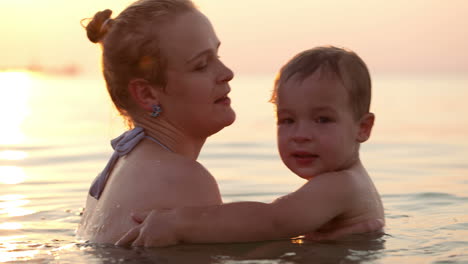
[(156, 111)]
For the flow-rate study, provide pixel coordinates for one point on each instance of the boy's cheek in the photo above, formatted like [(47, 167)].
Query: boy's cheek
[(282, 149), (282, 135)]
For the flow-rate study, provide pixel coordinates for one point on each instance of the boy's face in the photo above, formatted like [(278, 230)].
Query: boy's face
[(317, 132)]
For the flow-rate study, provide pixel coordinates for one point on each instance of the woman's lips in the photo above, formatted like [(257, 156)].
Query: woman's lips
[(224, 100)]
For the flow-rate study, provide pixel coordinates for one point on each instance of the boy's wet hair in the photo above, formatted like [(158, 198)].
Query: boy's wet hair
[(130, 44), (344, 64)]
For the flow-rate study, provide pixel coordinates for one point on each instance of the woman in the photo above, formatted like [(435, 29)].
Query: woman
[(161, 65), (175, 95)]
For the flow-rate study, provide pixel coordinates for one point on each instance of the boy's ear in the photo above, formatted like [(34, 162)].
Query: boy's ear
[(143, 93), (365, 127)]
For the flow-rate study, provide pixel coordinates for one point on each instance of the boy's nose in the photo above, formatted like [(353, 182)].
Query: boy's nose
[(302, 133), (300, 139)]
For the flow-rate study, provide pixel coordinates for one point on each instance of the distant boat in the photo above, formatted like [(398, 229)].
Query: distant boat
[(70, 70), (33, 67), (66, 70)]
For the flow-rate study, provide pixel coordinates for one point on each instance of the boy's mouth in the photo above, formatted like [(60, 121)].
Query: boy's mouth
[(303, 154), (304, 157)]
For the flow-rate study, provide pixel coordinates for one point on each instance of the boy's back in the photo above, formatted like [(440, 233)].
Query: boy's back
[(350, 192)]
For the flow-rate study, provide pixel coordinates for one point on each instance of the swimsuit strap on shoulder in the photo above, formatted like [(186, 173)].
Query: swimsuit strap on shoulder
[(122, 145), (159, 143)]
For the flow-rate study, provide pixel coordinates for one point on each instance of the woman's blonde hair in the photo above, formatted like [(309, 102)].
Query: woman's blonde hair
[(130, 46)]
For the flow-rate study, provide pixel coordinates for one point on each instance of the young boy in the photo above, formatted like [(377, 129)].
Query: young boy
[(322, 98)]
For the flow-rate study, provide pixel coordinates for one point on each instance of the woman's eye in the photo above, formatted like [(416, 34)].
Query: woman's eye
[(201, 67)]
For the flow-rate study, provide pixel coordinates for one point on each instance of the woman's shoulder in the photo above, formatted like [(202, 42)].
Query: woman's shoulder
[(169, 164), (176, 177)]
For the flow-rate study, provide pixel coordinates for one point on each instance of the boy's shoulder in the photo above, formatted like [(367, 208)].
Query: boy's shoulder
[(346, 181)]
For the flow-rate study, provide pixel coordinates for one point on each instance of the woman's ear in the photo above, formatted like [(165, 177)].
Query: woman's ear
[(143, 93), (365, 127)]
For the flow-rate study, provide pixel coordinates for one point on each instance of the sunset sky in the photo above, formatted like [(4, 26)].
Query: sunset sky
[(258, 36)]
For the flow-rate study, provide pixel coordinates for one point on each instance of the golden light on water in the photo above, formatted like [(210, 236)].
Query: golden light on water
[(12, 253), (12, 155), (12, 175), (297, 240), (15, 92), (14, 89), (10, 226), (12, 205)]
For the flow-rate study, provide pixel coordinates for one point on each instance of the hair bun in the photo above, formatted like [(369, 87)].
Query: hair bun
[(99, 25)]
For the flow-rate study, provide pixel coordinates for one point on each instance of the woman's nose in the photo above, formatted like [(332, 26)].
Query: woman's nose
[(225, 74)]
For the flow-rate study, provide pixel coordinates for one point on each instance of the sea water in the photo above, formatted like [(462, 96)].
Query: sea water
[(54, 139)]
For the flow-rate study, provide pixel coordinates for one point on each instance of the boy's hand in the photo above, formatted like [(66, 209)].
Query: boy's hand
[(155, 229), (372, 225)]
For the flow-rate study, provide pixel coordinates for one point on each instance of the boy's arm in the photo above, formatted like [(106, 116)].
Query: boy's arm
[(305, 210)]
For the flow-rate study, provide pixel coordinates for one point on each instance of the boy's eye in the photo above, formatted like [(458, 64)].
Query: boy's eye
[(323, 120), (285, 121)]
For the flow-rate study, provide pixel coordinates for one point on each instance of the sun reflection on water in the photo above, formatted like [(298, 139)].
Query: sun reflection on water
[(12, 205), (12, 248), (14, 89), (13, 155), (11, 252), (12, 175), (10, 226), (298, 240)]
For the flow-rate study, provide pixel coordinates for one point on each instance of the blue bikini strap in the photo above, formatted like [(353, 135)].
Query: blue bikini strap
[(122, 145)]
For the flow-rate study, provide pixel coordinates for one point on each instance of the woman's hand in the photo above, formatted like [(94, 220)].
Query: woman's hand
[(155, 229)]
